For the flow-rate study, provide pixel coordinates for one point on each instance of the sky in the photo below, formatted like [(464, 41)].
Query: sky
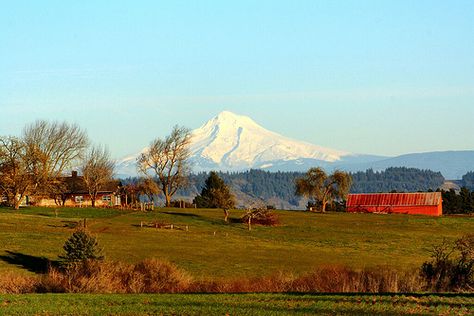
[(375, 77)]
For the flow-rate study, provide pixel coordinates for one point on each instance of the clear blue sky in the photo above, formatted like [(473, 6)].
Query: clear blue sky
[(381, 77)]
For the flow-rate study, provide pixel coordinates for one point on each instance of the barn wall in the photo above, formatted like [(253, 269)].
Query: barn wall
[(435, 210), (422, 203)]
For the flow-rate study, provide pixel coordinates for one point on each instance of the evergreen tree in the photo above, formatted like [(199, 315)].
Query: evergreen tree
[(81, 246), (215, 194), (468, 180), (458, 203)]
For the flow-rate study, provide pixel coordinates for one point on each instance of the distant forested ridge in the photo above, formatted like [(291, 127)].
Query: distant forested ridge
[(255, 184), (279, 187), (396, 179)]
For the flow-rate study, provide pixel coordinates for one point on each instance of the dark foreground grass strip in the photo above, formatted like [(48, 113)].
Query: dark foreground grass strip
[(235, 304)]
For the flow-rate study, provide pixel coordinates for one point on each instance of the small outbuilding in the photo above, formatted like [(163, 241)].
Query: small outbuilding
[(429, 203)]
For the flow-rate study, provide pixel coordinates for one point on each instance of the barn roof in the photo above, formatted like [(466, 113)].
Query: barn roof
[(395, 199)]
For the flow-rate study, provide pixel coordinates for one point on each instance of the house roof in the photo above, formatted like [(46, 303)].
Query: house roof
[(76, 185), (395, 199)]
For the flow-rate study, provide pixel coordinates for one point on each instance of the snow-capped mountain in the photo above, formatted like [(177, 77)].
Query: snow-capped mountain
[(235, 142), (232, 142)]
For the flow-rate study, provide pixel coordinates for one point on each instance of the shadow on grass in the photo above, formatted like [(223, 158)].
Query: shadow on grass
[(31, 263), (235, 220), (67, 224), (212, 221), (184, 214), (362, 294), (232, 222)]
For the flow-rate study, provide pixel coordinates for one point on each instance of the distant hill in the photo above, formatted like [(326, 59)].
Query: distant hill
[(452, 164)]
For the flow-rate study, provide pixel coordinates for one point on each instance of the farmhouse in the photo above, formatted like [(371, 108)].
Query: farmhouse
[(429, 203), (75, 193)]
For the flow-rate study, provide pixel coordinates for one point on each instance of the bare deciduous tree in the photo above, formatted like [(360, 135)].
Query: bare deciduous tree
[(132, 191), (167, 159), (15, 170), (97, 170), (149, 188), (316, 184), (58, 191), (260, 216), (54, 147)]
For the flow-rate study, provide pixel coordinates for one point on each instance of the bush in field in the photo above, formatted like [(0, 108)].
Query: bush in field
[(451, 267), (92, 276), (11, 283), (155, 276), (260, 217), (81, 246), (339, 279)]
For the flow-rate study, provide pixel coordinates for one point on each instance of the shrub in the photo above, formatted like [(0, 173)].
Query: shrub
[(336, 279), (92, 276), (331, 279), (451, 267), (11, 283), (155, 276), (81, 246), (335, 206), (278, 283), (260, 217)]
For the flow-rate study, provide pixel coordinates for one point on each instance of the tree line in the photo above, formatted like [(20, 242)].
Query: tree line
[(264, 185), (461, 202), (400, 179), (34, 162), (468, 180)]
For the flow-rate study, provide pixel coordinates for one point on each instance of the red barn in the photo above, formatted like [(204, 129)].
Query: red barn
[(405, 203)]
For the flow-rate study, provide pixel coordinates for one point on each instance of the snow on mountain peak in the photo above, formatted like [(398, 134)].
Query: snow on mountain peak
[(233, 142), (230, 120)]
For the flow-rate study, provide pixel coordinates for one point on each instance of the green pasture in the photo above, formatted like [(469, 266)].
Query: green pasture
[(211, 248), (229, 304)]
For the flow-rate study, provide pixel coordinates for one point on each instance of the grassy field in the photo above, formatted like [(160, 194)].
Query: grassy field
[(213, 249), (228, 304)]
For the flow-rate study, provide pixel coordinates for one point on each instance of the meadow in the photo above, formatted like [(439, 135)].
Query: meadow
[(231, 304), (213, 249)]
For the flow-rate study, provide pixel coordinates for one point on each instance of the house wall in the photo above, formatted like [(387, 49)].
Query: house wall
[(86, 201)]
